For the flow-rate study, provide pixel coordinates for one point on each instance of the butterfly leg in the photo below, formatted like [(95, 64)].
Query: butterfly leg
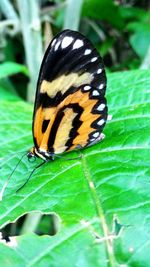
[(38, 166)]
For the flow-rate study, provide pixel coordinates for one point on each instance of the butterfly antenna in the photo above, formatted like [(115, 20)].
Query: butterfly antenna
[(38, 166), (7, 181)]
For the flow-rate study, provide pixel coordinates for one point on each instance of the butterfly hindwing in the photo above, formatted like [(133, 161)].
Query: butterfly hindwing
[(70, 108)]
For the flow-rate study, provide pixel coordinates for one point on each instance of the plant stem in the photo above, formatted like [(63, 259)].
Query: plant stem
[(100, 213), (31, 30), (72, 16), (9, 12), (31, 222)]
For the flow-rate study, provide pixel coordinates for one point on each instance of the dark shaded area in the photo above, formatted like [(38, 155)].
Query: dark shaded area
[(47, 226)]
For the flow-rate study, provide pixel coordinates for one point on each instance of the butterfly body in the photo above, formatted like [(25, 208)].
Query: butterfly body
[(70, 108)]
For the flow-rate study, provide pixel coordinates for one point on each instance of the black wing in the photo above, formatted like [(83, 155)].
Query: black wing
[(70, 64)]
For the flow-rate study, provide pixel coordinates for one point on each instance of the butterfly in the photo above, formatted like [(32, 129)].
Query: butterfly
[(70, 109)]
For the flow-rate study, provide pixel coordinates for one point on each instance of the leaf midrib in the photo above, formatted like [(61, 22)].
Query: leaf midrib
[(100, 212)]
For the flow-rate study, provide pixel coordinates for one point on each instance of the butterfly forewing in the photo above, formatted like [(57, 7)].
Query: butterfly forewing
[(70, 108)]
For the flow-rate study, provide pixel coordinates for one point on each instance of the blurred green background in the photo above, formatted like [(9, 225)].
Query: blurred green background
[(120, 30)]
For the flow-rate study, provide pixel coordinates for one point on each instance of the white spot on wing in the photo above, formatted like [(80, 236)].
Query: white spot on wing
[(86, 88), (78, 43), (66, 41), (99, 71), (87, 52), (57, 45), (101, 107), (101, 86), (101, 122), (54, 41), (95, 93), (94, 59), (96, 134)]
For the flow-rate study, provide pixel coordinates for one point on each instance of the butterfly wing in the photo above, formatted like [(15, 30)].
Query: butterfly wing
[(70, 108)]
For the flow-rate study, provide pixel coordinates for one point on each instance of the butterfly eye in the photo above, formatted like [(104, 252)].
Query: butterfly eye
[(31, 156)]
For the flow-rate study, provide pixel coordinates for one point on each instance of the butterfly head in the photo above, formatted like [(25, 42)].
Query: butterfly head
[(39, 153), (31, 154)]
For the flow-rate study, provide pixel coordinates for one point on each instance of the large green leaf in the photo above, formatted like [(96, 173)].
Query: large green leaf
[(103, 10), (110, 180), (140, 40), (10, 68)]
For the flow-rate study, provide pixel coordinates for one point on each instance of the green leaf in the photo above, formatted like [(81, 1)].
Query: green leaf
[(140, 39), (129, 13), (139, 26), (140, 43), (11, 68), (106, 45), (102, 199), (103, 10)]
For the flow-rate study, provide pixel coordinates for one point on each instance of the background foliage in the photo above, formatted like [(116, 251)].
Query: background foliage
[(100, 203)]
